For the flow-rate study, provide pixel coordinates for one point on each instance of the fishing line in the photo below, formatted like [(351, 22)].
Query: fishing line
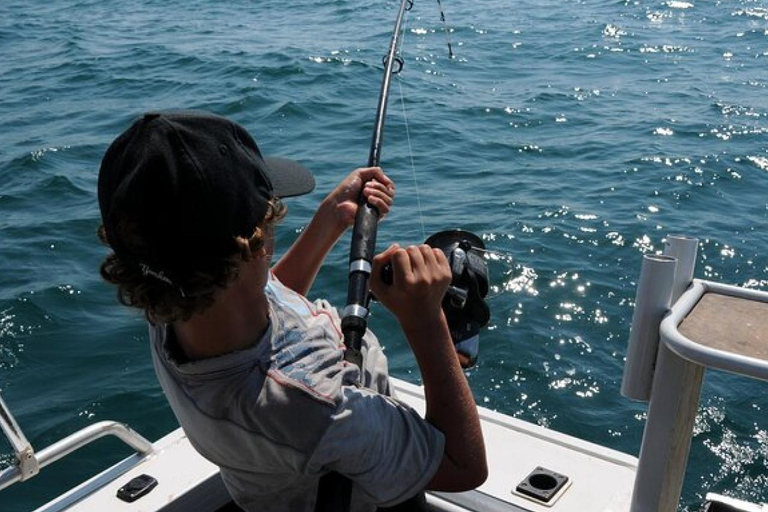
[(405, 112), (413, 165), (505, 259), (408, 138)]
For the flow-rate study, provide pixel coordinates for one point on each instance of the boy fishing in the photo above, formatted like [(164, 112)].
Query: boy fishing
[(252, 369)]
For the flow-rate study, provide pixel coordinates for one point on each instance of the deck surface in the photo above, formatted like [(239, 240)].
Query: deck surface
[(730, 324)]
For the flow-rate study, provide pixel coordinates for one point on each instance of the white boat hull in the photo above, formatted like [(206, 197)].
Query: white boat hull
[(600, 479)]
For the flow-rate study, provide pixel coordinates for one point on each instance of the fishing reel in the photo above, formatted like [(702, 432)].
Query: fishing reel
[(464, 302)]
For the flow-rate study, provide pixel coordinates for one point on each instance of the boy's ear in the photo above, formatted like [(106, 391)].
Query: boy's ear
[(245, 250)]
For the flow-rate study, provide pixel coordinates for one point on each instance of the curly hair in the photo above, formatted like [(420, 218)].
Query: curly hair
[(164, 301)]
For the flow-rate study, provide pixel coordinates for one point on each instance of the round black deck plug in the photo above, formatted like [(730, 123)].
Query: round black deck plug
[(542, 484)]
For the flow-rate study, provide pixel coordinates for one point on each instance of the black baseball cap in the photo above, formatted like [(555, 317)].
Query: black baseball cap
[(177, 187)]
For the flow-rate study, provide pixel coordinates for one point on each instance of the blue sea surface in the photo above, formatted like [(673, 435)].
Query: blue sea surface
[(573, 136)]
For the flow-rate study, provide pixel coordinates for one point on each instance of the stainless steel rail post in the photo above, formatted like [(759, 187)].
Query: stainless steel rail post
[(29, 463)]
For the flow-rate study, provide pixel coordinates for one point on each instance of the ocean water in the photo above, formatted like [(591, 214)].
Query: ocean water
[(573, 136)]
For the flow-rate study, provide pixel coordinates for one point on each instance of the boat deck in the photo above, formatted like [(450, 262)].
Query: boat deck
[(600, 480)]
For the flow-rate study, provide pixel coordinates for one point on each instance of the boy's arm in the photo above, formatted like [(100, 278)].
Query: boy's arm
[(298, 267), (421, 276)]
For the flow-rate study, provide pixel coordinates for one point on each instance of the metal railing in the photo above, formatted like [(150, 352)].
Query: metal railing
[(29, 463)]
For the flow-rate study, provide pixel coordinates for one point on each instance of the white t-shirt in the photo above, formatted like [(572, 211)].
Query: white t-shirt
[(277, 416)]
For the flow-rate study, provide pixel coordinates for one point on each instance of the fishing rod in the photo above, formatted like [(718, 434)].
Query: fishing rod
[(463, 305), (355, 315)]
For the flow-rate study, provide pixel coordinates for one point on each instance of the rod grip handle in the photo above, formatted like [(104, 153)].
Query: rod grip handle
[(364, 233)]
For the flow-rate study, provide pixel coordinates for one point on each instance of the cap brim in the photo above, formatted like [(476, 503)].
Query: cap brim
[(289, 178)]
